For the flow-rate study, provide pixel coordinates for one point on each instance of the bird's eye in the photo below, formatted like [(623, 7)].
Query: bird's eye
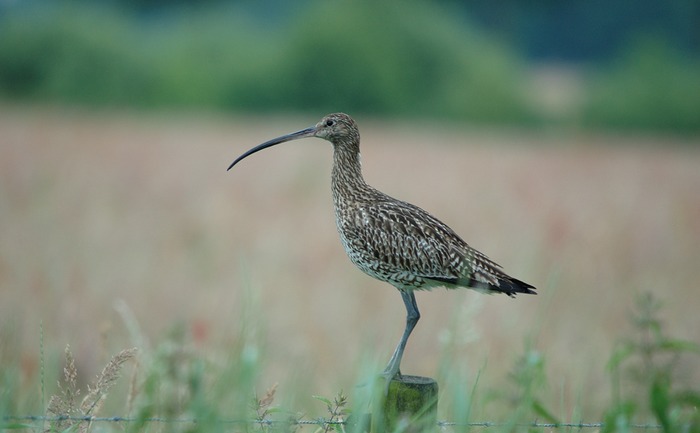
[(330, 122)]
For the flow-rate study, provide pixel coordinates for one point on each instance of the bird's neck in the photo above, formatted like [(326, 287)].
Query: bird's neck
[(347, 182)]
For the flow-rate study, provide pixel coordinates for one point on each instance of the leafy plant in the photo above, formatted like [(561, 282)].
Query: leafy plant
[(642, 376), (338, 412), (530, 380)]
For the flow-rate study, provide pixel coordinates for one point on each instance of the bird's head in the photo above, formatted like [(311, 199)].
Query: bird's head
[(338, 128)]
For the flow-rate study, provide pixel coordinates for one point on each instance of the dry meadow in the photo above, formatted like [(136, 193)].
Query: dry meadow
[(116, 227)]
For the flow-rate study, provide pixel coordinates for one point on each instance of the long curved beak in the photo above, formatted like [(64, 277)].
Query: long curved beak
[(308, 132)]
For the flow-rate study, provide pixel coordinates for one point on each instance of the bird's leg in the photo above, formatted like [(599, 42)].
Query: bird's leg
[(412, 316)]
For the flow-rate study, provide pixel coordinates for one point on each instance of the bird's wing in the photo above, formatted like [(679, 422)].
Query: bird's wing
[(397, 237), (401, 243)]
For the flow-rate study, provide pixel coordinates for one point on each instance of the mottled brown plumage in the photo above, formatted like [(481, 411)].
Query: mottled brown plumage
[(392, 240)]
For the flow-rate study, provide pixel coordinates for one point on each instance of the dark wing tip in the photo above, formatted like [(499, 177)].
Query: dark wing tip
[(508, 285), (512, 286)]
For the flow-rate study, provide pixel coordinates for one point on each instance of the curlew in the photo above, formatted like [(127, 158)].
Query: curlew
[(392, 240)]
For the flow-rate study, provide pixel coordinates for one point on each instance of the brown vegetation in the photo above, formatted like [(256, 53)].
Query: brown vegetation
[(107, 209)]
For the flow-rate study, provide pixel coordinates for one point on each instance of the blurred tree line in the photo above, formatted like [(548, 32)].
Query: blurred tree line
[(443, 59), (562, 30), (591, 30)]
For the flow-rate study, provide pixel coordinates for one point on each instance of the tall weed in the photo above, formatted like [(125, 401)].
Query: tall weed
[(644, 379)]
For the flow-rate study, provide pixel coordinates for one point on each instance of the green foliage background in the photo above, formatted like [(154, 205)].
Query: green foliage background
[(392, 59)]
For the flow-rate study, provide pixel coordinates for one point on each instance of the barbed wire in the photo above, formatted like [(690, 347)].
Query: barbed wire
[(317, 421)]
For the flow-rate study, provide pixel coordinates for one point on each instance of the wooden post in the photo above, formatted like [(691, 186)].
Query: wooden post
[(412, 400)]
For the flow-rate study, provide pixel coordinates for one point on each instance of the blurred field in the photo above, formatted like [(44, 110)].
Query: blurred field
[(102, 208)]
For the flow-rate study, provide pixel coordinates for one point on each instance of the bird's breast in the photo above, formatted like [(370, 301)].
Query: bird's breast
[(377, 248)]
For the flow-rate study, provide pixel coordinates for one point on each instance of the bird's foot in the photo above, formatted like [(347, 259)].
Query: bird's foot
[(393, 368), (389, 374)]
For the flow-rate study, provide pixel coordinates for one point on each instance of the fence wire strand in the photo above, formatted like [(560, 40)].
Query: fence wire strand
[(317, 422)]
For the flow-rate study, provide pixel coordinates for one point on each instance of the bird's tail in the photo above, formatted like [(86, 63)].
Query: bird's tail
[(501, 284), (511, 286)]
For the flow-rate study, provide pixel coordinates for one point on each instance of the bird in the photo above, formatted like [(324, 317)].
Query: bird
[(392, 240)]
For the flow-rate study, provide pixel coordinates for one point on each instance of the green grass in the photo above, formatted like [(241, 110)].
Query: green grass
[(184, 391)]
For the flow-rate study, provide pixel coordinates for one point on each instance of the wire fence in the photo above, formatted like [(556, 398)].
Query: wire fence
[(318, 422)]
